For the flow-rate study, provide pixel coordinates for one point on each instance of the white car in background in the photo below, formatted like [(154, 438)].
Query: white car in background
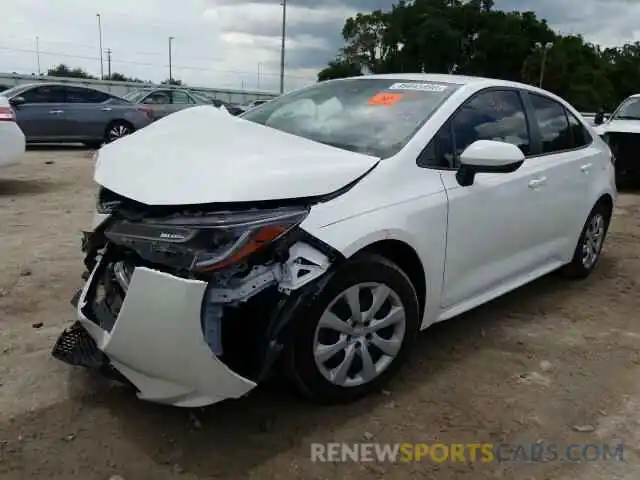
[(12, 141), (318, 233)]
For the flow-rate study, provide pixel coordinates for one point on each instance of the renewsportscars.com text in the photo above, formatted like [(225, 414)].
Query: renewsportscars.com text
[(464, 452)]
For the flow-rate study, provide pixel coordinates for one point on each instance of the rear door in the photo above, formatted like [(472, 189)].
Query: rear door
[(87, 113), (42, 114), (566, 154)]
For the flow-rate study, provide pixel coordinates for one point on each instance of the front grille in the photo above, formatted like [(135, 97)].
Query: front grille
[(626, 150), (76, 347)]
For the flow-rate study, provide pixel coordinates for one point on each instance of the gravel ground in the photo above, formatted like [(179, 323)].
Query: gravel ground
[(555, 361)]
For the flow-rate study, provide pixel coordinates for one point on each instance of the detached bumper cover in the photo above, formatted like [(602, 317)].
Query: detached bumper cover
[(156, 342)]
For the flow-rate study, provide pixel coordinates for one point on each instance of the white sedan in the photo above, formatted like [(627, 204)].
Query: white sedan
[(12, 139), (318, 233)]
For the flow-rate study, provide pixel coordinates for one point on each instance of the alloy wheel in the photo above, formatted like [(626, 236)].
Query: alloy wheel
[(592, 240), (118, 131), (359, 334)]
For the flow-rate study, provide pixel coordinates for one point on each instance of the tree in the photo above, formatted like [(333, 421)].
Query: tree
[(63, 70), (172, 81), (472, 37), (339, 68), (119, 77)]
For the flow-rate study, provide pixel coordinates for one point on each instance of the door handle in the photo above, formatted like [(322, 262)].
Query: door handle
[(585, 168), (537, 182), (107, 109), (55, 112)]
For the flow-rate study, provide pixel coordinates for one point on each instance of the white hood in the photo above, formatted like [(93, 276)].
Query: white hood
[(201, 155), (620, 126)]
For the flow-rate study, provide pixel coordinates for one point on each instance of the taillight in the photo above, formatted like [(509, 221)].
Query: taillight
[(7, 114), (147, 111)]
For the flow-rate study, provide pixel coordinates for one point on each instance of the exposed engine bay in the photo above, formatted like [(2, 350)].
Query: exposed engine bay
[(260, 269)]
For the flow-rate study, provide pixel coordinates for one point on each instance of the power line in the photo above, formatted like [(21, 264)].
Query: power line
[(148, 64)]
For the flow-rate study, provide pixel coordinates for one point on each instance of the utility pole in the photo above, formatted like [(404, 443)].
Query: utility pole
[(259, 73), (109, 63), (284, 34), (100, 44), (545, 49), (170, 72), (38, 54)]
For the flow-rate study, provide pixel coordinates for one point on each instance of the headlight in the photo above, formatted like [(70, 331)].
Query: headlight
[(207, 242)]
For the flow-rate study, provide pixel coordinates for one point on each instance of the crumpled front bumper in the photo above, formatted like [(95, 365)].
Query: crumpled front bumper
[(156, 342)]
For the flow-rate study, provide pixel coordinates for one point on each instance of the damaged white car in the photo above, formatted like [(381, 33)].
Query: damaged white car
[(318, 233)]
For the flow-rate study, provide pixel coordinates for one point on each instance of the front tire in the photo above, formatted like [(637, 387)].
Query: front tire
[(357, 333), (587, 252)]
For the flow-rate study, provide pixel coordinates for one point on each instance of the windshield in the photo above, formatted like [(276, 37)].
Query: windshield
[(136, 95), (373, 116), (629, 110)]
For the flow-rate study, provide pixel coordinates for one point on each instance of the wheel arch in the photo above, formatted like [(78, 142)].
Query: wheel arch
[(407, 259), (606, 201)]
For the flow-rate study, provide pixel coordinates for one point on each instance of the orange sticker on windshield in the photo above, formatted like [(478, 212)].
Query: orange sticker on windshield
[(386, 99)]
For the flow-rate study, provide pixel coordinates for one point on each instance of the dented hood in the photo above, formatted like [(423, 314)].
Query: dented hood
[(203, 155)]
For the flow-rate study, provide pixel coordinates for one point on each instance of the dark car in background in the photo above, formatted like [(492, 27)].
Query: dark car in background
[(622, 132), (63, 113)]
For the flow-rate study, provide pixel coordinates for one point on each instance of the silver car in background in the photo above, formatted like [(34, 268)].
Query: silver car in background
[(62, 113), (164, 101)]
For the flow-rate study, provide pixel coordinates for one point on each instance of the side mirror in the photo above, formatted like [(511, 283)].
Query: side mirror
[(599, 119), (17, 101), (488, 156)]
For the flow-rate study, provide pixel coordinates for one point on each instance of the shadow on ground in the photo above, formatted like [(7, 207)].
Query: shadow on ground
[(15, 186), (54, 147), (228, 440)]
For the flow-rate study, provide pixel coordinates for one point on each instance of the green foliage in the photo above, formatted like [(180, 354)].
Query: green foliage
[(472, 38), (171, 81), (118, 77), (63, 70)]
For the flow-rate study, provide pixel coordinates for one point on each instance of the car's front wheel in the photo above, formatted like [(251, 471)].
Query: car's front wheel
[(357, 333)]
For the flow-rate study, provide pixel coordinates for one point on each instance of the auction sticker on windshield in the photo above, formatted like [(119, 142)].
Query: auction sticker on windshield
[(421, 86), (386, 99)]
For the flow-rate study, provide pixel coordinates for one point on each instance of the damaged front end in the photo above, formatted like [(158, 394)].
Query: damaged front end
[(191, 305)]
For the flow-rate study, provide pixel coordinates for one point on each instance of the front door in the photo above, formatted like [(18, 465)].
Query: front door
[(41, 116), (493, 232)]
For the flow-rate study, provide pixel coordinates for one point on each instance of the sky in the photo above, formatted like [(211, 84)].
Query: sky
[(234, 43)]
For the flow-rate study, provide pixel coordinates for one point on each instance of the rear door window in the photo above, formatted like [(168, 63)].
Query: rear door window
[(553, 124)]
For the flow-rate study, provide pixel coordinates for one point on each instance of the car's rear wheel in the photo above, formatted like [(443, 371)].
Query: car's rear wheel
[(357, 333), (589, 248), (116, 130)]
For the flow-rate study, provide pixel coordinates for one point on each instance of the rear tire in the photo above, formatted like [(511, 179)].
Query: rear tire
[(587, 252), (319, 367), (116, 130)]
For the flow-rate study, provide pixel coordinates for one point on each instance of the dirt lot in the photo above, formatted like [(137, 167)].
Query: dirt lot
[(556, 362)]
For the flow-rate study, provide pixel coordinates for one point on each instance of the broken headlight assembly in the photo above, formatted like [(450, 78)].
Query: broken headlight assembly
[(205, 242), (106, 201)]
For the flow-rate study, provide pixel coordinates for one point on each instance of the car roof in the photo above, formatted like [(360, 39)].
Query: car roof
[(460, 80), (447, 78), (59, 84)]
